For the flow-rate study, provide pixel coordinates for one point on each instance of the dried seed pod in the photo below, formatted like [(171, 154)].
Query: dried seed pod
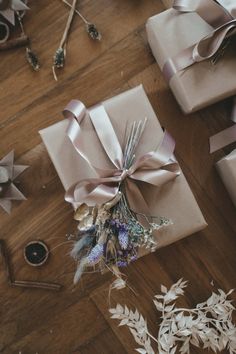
[(103, 238), (59, 58), (113, 201), (81, 212), (32, 59), (93, 32), (87, 222)]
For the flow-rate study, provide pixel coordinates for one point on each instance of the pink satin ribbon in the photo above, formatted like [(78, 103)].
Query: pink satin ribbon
[(155, 168), (219, 18)]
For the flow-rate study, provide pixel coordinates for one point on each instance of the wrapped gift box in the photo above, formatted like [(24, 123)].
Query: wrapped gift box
[(202, 84), (227, 170), (174, 200)]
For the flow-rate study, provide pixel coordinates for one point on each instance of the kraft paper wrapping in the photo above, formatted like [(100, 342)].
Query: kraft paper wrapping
[(227, 170), (203, 83), (175, 200)]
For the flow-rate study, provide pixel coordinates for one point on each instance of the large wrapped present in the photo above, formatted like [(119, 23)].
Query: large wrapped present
[(227, 170), (90, 156), (194, 46)]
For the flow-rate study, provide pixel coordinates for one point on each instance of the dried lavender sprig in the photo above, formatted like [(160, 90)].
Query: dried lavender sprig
[(90, 27), (60, 54), (31, 57)]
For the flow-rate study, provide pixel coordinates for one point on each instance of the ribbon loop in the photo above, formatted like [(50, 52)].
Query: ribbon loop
[(75, 109)]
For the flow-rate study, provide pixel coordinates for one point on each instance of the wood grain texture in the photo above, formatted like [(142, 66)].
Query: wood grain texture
[(76, 320)]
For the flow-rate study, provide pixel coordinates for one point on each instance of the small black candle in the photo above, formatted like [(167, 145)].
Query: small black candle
[(36, 253)]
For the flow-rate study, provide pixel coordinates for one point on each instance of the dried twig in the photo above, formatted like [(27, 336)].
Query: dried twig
[(31, 57), (23, 283), (91, 29), (59, 57)]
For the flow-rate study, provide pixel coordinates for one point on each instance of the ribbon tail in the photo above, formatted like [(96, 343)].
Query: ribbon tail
[(222, 139), (158, 177)]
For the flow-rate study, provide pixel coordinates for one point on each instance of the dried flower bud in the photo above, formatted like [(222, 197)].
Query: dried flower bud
[(93, 32), (32, 59), (59, 58), (96, 254)]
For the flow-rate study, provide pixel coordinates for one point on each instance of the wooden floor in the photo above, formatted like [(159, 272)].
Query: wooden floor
[(76, 320)]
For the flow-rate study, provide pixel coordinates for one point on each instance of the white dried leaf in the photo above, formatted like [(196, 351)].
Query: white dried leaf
[(141, 351), (159, 305), (169, 308), (163, 289), (124, 322)]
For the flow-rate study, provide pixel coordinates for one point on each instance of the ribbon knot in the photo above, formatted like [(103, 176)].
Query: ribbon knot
[(155, 168), (124, 174)]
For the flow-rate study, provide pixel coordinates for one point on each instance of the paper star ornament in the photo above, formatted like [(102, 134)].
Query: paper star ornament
[(8, 173), (9, 7)]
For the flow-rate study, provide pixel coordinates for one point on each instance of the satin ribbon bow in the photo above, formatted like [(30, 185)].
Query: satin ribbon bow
[(214, 14), (155, 167), (8, 173)]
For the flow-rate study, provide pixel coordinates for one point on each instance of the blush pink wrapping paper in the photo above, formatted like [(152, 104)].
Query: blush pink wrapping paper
[(227, 171), (203, 83), (175, 200)]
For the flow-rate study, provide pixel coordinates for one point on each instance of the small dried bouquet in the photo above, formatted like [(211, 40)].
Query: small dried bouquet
[(110, 235)]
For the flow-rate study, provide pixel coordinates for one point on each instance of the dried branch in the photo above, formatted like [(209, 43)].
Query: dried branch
[(91, 28), (208, 325)]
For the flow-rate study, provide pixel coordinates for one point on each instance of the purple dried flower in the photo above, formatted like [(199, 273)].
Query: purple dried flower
[(96, 254), (123, 236), (134, 258), (122, 263)]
